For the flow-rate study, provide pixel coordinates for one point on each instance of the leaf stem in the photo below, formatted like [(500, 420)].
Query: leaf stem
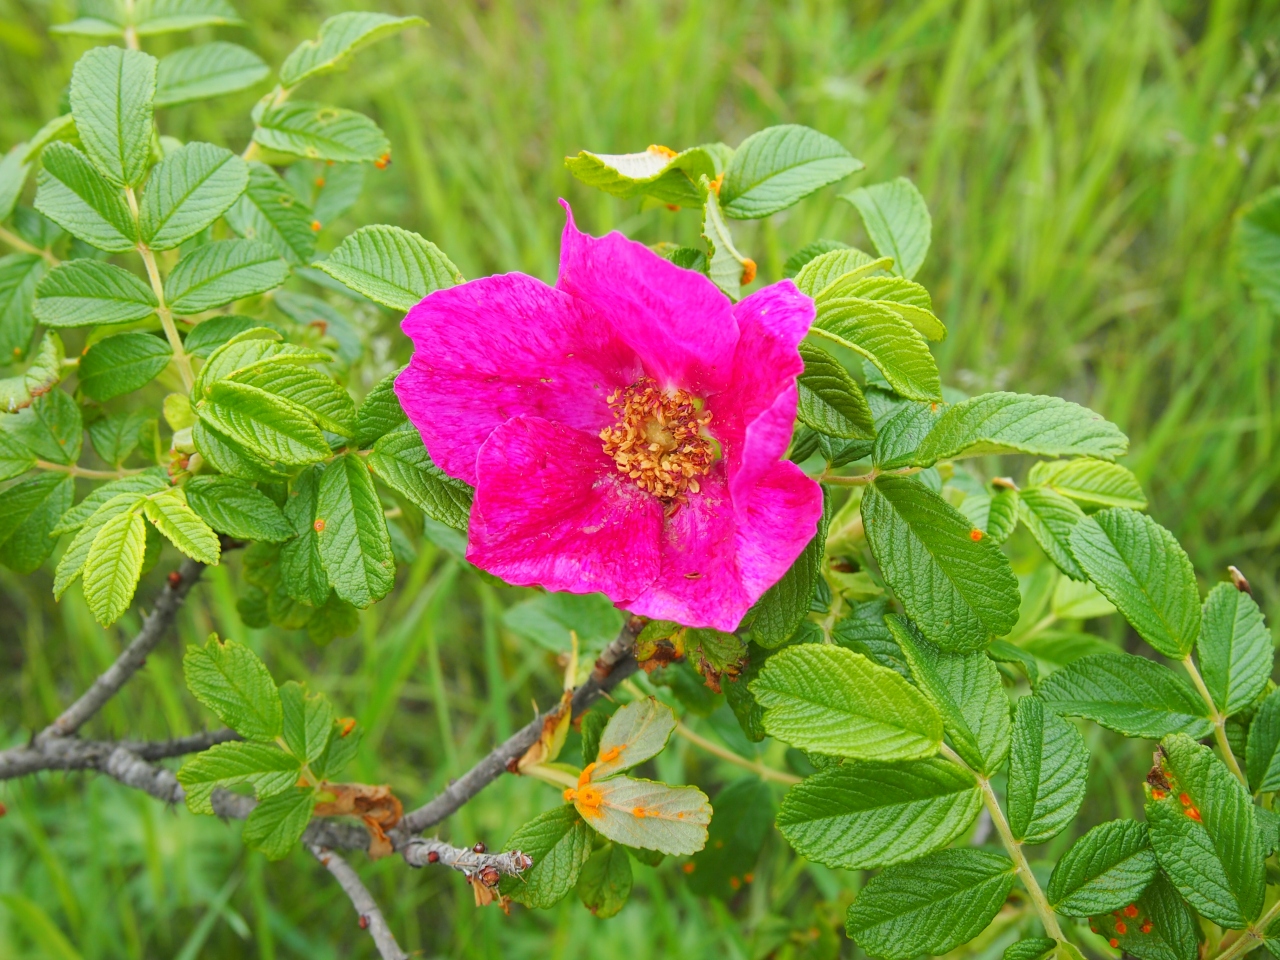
[(180, 358), (727, 755), (78, 471), (15, 241), (1047, 917), (1251, 936), (1217, 719), (861, 479)]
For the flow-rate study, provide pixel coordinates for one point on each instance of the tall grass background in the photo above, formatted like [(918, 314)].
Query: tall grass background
[(1082, 160)]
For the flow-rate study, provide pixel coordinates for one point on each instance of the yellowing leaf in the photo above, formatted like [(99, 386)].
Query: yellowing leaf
[(635, 733), (644, 813)]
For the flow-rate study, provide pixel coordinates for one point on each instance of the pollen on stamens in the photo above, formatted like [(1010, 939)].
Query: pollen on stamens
[(658, 441)]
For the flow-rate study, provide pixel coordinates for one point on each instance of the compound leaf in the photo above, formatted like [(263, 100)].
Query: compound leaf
[(780, 166), (391, 266), (221, 272), (1104, 870), (188, 190), (230, 679)]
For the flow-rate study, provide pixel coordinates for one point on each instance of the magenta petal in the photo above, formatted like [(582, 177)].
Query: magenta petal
[(719, 555), (496, 348), (754, 416), (678, 322), (551, 510)]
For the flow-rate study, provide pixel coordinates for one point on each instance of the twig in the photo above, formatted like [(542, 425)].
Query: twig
[(72, 753), (724, 753), (1251, 937), (613, 666), (76, 470), (129, 662), (15, 241), (419, 852), (371, 917)]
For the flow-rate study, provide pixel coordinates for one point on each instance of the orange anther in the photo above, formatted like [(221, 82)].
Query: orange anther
[(975, 534)]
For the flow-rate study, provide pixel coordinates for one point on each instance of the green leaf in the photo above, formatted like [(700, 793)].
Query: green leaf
[(19, 274), (1130, 695), (735, 838), (931, 905), (547, 620), (1262, 751), (207, 70), (1051, 517), (305, 129), (269, 426), (149, 481), (231, 457), (340, 749), (648, 815), (212, 333), (995, 514), (15, 459), (724, 262), (1164, 928), (301, 569), (831, 401), (1095, 483), (270, 212), (113, 566), (78, 293), (111, 93), (229, 679), (29, 510), (780, 166), (401, 461), (221, 272), (340, 38), (355, 546), (188, 190), (323, 397), (237, 508), (14, 167), (380, 412), (896, 348), (1216, 861), (828, 272), (559, 843), (264, 766), (897, 220), (637, 732), (121, 364), (71, 563), (277, 822), (182, 526), (1141, 568), (255, 347), (605, 882), (1073, 600), (958, 591), (776, 616), (830, 700), (1235, 649), (867, 814), (307, 721), (1048, 773), (76, 197), (657, 172), (390, 266), (1020, 423), (51, 427), (1104, 870), (1032, 948), (329, 189), (904, 297), (1255, 242), (167, 16), (967, 692)]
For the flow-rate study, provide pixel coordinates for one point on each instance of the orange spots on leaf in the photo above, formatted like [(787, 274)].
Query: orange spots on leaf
[(316, 226), (735, 883), (975, 534), (319, 181), (611, 754), (1146, 926), (1121, 927), (383, 161), (318, 526), (673, 207), (639, 812), (662, 151), (346, 725), (1184, 799), (1193, 813), (689, 867), (1131, 911), (1114, 942), (748, 271), (1158, 794), (715, 184)]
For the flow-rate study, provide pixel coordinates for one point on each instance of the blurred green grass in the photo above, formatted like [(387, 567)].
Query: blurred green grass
[(1082, 161)]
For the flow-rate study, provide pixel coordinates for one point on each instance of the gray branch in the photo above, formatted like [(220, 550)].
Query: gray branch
[(613, 666), (129, 662), (370, 913), (72, 753), (419, 852)]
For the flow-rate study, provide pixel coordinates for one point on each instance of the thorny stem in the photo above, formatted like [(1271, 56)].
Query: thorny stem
[(78, 471), (759, 769), (180, 358), (1218, 720), (1038, 900), (1252, 936), (15, 241)]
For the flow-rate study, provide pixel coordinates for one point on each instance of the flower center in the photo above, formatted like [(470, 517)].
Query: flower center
[(658, 440)]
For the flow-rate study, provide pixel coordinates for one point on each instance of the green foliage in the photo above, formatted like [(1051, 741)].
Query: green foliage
[(898, 222), (1235, 649), (1048, 769), (1104, 870), (780, 166)]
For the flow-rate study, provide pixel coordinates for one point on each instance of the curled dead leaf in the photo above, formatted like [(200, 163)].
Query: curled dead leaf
[(377, 806)]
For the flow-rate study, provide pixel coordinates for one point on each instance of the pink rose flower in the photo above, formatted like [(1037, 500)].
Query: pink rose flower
[(624, 430)]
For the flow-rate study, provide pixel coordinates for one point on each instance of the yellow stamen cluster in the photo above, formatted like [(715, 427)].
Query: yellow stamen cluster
[(658, 440)]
